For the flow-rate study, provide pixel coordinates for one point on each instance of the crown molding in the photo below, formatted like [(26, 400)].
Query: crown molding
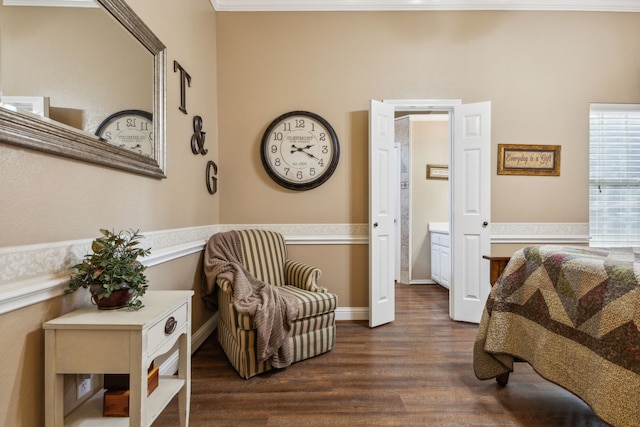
[(51, 3), (425, 5), (381, 5)]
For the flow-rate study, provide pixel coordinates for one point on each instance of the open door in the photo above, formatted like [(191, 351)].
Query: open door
[(470, 175), (470, 211), (382, 176)]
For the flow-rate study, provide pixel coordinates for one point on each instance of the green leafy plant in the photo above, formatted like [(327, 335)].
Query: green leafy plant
[(112, 266)]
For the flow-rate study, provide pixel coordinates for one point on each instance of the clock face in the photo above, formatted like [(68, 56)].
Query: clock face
[(300, 150), (129, 129)]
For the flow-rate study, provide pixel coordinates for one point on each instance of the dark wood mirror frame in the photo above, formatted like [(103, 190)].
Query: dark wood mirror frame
[(29, 131)]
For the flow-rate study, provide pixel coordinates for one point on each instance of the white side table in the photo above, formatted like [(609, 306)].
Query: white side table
[(92, 341)]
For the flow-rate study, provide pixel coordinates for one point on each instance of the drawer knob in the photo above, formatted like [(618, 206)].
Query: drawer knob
[(170, 326)]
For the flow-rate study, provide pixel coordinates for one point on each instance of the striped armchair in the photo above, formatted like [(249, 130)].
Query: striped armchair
[(312, 332)]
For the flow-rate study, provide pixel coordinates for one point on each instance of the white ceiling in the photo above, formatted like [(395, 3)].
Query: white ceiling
[(414, 5), (372, 5), (50, 3)]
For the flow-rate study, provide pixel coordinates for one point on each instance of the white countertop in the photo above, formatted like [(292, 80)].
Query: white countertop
[(439, 227)]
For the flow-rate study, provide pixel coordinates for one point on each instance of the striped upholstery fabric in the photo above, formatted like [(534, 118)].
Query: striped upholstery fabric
[(305, 275), (264, 253), (312, 304), (313, 331)]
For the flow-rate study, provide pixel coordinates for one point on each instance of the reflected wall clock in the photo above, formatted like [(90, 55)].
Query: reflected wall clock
[(129, 129)]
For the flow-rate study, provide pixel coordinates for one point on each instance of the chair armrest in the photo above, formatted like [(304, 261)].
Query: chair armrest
[(302, 276), (224, 285), (228, 313)]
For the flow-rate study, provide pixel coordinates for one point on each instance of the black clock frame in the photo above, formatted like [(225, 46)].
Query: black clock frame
[(106, 122), (291, 185)]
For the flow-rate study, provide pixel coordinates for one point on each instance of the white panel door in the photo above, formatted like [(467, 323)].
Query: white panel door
[(382, 175), (398, 214), (471, 211)]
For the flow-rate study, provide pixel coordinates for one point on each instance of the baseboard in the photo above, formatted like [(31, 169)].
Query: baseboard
[(352, 313), (204, 331), (170, 365)]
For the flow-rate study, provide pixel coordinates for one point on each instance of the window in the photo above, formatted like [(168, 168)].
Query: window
[(614, 175)]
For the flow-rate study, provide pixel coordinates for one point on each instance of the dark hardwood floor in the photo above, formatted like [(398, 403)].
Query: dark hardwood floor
[(416, 371)]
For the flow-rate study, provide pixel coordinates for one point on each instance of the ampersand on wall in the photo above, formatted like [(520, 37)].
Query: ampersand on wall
[(212, 179), (197, 139)]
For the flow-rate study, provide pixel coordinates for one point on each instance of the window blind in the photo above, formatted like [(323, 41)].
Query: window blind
[(614, 175)]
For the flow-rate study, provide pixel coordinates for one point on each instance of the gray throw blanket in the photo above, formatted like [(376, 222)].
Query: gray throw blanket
[(272, 310)]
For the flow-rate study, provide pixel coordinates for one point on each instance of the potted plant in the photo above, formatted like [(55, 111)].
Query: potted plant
[(112, 272)]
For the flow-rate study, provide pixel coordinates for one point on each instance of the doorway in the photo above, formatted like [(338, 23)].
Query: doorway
[(423, 141), (470, 205)]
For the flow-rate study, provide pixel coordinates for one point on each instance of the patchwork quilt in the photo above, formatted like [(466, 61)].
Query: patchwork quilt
[(573, 314)]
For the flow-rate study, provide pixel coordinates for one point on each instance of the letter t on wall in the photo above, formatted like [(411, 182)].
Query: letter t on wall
[(185, 79)]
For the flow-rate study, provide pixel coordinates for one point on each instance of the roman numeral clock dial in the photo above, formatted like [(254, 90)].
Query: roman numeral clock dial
[(300, 150), (129, 129)]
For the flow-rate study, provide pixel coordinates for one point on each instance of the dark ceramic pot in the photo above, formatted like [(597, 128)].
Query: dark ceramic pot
[(117, 299)]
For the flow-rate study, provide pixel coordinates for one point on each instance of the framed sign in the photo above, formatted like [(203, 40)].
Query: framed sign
[(437, 172), (543, 160), (34, 104)]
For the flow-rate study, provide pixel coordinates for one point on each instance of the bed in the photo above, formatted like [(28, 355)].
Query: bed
[(572, 313)]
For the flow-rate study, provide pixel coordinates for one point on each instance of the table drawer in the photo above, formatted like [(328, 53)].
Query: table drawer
[(168, 329)]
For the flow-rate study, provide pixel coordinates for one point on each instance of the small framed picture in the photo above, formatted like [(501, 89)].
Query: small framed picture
[(33, 104), (437, 172), (543, 160)]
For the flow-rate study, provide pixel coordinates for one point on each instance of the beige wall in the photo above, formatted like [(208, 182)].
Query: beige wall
[(344, 267), (51, 199), (540, 70), (99, 69), (48, 198), (429, 197)]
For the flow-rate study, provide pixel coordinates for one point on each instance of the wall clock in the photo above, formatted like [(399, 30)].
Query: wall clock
[(129, 129), (300, 150)]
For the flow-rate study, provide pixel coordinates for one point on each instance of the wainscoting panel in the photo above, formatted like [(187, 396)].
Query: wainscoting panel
[(540, 233), (34, 273)]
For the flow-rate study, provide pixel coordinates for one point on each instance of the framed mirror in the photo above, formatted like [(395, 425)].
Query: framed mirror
[(70, 131)]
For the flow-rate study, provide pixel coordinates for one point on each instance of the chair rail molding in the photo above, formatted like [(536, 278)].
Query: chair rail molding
[(34, 273), (540, 233)]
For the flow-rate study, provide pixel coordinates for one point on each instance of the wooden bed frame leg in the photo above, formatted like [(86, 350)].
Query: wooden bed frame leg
[(503, 379)]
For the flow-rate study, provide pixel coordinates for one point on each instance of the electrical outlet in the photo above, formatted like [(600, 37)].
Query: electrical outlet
[(83, 385)]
